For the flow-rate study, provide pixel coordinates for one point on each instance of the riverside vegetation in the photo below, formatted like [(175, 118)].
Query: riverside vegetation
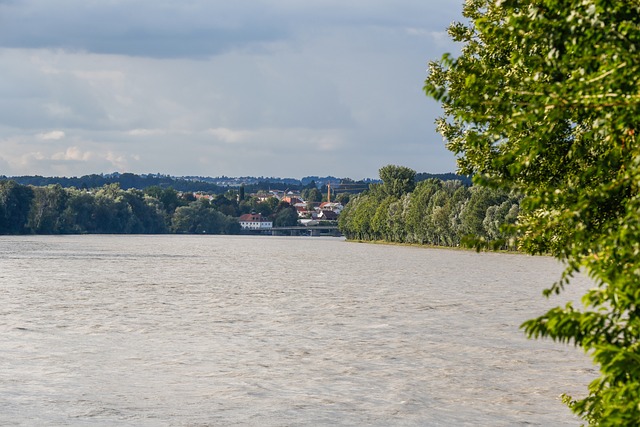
[(543, 100), (432, 212), (53, 209)]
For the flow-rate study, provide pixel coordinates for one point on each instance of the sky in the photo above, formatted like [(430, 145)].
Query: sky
[(277, 88)]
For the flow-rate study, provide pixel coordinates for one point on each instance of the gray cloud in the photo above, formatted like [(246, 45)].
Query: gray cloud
[(219, 88), (192, 28), (138, 28)]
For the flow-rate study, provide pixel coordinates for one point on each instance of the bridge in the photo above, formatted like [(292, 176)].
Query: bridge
[(314, 230)]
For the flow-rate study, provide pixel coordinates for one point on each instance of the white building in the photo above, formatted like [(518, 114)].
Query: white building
[(254, 221)]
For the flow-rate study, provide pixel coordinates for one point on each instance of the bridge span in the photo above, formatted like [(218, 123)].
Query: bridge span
[(315, 230)]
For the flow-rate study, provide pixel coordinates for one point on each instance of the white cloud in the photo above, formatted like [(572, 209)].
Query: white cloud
[(146, 132), (119, 161), (231, 136), (53, 135), (72, 153)]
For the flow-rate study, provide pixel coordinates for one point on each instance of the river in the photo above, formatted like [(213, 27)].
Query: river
[(276, 331)]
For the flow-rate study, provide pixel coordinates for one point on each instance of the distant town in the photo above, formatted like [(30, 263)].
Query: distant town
[(310, 213)]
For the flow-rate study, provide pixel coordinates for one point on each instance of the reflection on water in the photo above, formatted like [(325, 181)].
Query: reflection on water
[(202, 330)]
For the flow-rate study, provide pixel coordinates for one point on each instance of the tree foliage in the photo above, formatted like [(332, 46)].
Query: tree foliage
[(15, 202), (201, 217), (46, 206), (109, 209), (285, 215), (543, 100), (397, 180), (435, 212)]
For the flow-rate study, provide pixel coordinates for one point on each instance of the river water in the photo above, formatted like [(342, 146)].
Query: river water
[(275, 331)]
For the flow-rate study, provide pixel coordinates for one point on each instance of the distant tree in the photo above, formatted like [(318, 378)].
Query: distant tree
[(185, 220), (188, 197), (111, 214), (225, 205), (474, 212), (312, 195), (397, 180), (267, 207), (381, 221), (145, 217), (343, 198), (416, 217), (168, 197), (45, 214), (355, 219), (199, 217), (285, 215), (15, 203), (499, 216), (231, 226), (241, 193), (78, 215)]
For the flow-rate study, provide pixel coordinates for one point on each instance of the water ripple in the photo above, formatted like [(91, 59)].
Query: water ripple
[(217, 330)]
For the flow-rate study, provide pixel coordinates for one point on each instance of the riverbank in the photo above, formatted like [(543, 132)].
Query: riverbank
[(429, 246)]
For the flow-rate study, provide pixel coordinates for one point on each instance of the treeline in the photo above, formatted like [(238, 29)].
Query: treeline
[(128, 181), (212, 185), (141, 182), (26, 209), (124, 180), (433, 211)]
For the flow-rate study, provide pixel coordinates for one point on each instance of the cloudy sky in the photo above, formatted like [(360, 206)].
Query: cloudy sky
[(284, 88)]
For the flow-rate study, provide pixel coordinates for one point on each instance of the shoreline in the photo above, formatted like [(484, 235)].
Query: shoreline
[(429, 246)]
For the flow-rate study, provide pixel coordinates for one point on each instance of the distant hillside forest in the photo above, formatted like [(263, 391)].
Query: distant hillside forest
[(434, 212), (218, 185)]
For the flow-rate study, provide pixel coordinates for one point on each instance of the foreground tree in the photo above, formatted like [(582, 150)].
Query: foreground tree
[(544, 100)]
